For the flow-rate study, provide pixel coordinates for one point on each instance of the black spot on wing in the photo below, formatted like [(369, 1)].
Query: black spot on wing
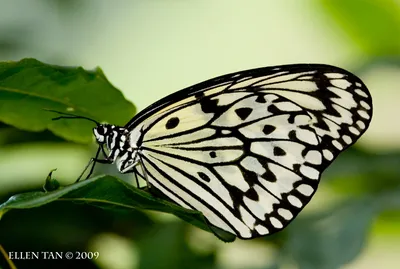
[(279, 151), (292, 118), (209, 105), (260, 99), (292, 135), (269, 176), (322, 125), (296, 168), (322, 81), (243, 112), (172, 123), (268, 129), (204, 176), (273, 109), (236, 196), (252, 194), (250, 176), (213, 154)]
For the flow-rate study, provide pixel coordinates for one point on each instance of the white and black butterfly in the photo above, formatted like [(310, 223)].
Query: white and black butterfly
[(246, 149)]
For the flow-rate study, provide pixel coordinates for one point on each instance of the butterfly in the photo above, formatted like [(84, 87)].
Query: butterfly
[(246, 149)]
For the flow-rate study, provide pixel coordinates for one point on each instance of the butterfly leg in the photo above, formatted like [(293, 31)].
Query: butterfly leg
[(144, 172), (136, 178), (93, 162), (136, 172)]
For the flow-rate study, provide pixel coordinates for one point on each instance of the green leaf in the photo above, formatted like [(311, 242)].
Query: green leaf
[(333, 238), (28, 87), (363, 169), (169, 245), (110, 193), (390, 200), (373, 25)]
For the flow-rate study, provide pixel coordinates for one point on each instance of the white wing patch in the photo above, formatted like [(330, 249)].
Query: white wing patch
[(248, 149)]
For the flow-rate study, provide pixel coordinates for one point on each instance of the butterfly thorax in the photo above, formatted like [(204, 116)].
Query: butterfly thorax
[(116, 139)]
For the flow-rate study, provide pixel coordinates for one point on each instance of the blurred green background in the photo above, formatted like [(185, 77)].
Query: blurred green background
[(149, 49)]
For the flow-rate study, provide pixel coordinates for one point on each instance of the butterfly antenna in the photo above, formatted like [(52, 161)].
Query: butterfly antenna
[(70, 116)]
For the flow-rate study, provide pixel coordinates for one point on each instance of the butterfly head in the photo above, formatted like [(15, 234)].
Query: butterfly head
[(102, 132), (114, 137), (116, 140)]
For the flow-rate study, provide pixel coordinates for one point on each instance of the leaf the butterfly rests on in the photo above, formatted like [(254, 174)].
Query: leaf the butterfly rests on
[(246, 149)]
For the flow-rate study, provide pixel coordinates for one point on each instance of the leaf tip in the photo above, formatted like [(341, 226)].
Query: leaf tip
[(2, 212)]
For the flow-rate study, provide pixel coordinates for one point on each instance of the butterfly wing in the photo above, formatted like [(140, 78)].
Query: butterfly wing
[(247, 149)]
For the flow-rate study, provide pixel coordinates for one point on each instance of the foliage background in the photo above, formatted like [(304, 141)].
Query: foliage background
[(149, 49)]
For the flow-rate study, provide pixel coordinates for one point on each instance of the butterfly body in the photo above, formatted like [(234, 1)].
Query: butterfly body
[(246, 149)]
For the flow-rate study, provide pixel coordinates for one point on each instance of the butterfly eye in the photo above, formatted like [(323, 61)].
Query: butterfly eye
[(100, 130)]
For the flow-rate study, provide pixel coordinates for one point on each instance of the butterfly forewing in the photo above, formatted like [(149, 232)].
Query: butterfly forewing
[(247, 149)]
